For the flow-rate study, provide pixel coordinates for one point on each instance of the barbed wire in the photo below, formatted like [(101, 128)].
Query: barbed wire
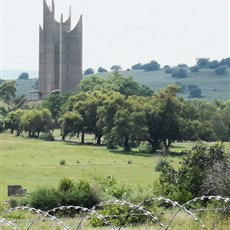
[(138, 210)]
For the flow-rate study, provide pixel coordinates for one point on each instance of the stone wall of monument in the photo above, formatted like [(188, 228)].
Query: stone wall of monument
[(60, 54)]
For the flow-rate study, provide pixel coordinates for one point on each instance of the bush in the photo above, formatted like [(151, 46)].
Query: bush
[(213, 64), (137, 66), (194, 69), (89, 71), (62, 162), (182, 65), (195, 92), (179, 73), (151, 66), (47, 137), (68, 193), (23, 76), (186, 183), (168, 70), (161, 165), (221, 70), (101, 70)]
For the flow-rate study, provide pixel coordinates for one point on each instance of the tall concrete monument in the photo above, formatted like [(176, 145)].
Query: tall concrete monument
[(60, 53)]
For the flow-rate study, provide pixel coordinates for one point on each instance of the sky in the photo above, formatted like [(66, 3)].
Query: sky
[(121, 32)]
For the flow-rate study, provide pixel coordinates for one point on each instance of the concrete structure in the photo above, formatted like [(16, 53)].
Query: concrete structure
[(60, 54)]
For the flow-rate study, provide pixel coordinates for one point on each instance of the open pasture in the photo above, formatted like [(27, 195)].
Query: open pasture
[(32, 163)]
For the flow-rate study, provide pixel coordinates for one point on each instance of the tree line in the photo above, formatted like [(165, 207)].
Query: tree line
[(121, 112), (220, 67)]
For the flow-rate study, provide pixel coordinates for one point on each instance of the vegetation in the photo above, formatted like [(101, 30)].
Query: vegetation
[(23, 76), (190, 179), (131, 129), (89, 71)]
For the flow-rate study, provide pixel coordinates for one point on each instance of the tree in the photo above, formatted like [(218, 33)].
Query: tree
[(116, 82), (106, 113), (7, 91), (168, 70), (116, 68), (23, 76), (36, 121), (202, 62), (195, 92), (89, 71), (55, 103), (194, 69), (151, 66), (182, 65), (179, 72), (13, 120), (225, 61), (71, 123), (213, 64), (94, 82), (162, 113), (220, 70), (101, 70), (137, 66)]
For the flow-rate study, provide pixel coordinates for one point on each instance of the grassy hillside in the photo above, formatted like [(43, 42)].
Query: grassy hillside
[(213, 86)]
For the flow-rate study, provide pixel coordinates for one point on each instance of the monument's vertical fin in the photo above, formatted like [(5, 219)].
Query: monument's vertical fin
[(60, 53)]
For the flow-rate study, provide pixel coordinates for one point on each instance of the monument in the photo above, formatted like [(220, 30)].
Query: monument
[(60, 54)]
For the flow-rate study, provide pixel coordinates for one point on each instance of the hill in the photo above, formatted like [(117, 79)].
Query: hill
[(213, 86)]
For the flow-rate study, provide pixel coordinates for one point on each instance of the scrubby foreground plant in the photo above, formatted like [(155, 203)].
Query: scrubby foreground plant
[(192, 178)]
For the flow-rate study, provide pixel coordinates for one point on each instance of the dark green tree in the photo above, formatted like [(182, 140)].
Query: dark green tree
[(23, 76)]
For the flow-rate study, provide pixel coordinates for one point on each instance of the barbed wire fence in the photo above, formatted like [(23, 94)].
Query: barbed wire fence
[(148, 209)]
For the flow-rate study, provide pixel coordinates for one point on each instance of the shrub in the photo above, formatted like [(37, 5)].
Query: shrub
[(67, 193), (186, 183), (221, 70), (89, 71), (151, 66), (65, 185), (182, 65), (120, 212), (101, 70), (47, 137), (23, 76), (179, 73), (194, 69), (137, 66), (168, 70), (62, 162), (195, 92), (161, 165)]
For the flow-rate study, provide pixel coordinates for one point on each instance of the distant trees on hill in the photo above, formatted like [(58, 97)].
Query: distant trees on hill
[(201, 63), (151, 66), (89, 71), (23, 76)]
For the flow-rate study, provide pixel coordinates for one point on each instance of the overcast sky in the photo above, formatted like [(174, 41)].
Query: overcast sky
[(122, 32)]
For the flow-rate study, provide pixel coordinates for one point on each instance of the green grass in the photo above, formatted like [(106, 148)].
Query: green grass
[(33, 163)]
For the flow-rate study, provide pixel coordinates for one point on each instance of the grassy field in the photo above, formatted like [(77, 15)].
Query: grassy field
[(212, 85), (33, 163)]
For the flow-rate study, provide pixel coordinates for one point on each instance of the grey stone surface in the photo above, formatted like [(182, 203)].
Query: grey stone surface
[(60, 54), (16, 190)]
